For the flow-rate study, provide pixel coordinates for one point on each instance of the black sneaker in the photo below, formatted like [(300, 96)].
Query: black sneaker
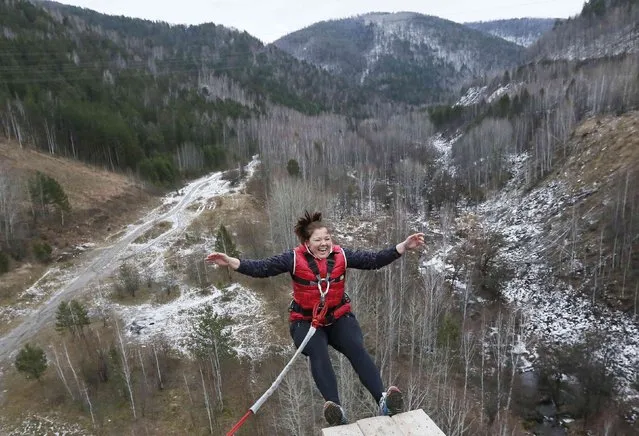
[(392, 402), (334, 414)]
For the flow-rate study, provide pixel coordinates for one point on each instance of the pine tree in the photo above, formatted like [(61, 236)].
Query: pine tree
[(293, 168), (4, 262), (71, 316), (209, 334), (224, 242), (32, 361), (46, 191), (63, 318)]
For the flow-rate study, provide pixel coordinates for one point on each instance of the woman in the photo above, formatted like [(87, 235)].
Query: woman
[(318, 270)]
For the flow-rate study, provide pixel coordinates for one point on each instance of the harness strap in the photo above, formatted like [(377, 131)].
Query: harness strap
[(305, 282), (330, 263), (295, 307), (312, 263)]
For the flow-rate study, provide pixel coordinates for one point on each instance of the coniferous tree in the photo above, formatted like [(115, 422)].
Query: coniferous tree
[(45, 191), (209, 333), (224, 242), (63, 318), (32, 361), (211, 341), (71, 316), (4, 263)]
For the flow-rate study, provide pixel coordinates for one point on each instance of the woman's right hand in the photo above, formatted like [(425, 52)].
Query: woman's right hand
[(220, 259)]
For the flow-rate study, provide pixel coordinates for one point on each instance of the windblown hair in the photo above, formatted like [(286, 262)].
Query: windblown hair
[(307, 224)]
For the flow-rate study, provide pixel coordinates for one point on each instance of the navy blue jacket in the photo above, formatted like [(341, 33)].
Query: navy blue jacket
[(283, 263)]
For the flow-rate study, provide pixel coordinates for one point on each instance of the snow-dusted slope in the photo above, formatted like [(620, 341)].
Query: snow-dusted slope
[(553, 310), (591, 36), (146, 322), (521, 31), (405, 55)]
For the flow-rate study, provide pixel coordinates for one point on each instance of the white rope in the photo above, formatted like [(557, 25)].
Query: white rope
[(255, 407)]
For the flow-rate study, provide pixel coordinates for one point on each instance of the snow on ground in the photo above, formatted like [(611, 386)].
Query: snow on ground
[(623, 40), (149, 254), (524, 41), (475, 94), (31, 298), (147, 323), (41, 425), (501, 91), (553, 309), (472, 96), (445, 147)]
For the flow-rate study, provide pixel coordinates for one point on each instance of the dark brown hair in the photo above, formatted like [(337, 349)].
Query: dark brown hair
[(307, 224)]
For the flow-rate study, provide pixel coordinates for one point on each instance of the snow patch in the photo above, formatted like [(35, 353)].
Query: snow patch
[(170, 322), (472, 96), (554, 310)]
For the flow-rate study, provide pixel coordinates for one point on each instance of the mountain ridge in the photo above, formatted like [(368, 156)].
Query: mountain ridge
[(521, 31), (406, 56)]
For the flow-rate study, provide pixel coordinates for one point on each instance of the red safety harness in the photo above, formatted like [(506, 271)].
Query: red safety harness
[(319, 299)]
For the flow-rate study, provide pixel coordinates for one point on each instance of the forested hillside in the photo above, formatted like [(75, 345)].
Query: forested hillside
[(135, 95), (405, 56), (521, 31), (604, 28)]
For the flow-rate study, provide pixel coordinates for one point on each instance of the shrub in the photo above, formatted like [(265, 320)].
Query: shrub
[(32, 361), (42, 251), (4, 262), (293, 168), (129, 279)]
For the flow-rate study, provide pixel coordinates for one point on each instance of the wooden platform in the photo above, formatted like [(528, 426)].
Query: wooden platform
[(413, 423)]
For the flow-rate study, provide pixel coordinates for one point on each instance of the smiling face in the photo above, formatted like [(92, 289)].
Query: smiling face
[(320, 243)]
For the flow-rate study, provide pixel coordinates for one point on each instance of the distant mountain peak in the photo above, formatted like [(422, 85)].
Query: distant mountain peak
[(389, 17), (406, 56)]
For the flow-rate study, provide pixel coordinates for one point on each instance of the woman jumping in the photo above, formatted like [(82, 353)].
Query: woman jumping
[(318, 272)]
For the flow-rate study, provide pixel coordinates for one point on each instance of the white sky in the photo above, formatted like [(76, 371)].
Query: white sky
[(271, 19)]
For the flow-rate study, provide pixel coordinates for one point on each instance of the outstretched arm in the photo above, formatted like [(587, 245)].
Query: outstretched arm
[(362, 259), (222, 259), (268, 267)]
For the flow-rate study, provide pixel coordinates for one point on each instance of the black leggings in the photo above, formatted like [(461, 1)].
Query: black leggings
[(345, 336)]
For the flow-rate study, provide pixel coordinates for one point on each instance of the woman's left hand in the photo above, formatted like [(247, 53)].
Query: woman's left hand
[(413, 241)]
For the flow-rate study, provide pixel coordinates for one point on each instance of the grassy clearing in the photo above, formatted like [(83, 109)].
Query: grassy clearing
[(14, 283)]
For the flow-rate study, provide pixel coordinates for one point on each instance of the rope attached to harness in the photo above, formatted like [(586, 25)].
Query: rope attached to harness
[(319, 314), (319, 318)]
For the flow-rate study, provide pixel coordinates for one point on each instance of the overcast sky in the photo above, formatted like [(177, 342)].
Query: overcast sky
[(271, 19)]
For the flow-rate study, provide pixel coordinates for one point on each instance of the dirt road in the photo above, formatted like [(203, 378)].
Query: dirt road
[(100, 262)]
